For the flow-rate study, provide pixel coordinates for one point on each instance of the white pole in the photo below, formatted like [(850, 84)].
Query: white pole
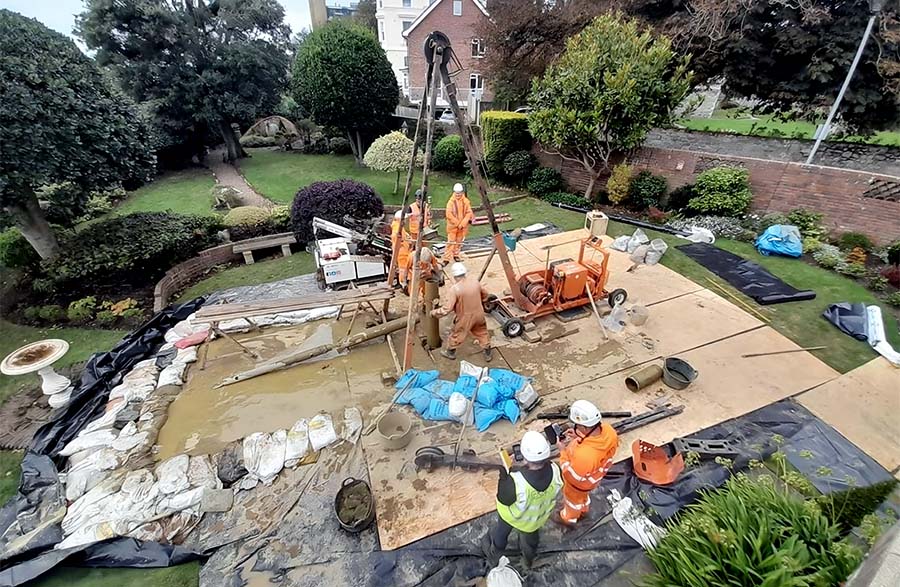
[(834, 107)]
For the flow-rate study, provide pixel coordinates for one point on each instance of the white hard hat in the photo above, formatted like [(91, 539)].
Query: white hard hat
[(535, 447), (458, 188), (397, 215), (458, 270), (585, 413), (427, 255)]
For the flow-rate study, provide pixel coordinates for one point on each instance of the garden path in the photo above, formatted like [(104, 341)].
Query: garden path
[(229, 175)]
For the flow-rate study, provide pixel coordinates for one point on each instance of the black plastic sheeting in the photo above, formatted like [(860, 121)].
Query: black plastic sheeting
[(27, 520), (745, 275), (570, 558), (850, 318)]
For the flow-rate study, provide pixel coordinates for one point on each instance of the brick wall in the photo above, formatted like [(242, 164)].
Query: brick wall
[(184, 273), (461, 30), (850, 200)]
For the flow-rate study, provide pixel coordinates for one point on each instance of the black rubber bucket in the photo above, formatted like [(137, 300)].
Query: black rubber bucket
[(363, 510), (677, 373)]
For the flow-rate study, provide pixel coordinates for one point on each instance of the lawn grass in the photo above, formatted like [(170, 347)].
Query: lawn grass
[(10, 470), (83, 342), (278, 175), (187, 575), (260, 272), (184, 192)]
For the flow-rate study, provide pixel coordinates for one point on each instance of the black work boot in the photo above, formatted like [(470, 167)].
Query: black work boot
[(488, 355), (529, 554), (490, 552), (449, 354)]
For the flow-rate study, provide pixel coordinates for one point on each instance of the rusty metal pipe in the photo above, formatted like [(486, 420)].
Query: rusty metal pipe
[(643, 378)]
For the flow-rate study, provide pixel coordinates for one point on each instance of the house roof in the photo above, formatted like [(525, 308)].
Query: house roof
[(431, 8)]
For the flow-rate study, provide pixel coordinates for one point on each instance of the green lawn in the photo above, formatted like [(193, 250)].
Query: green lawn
[(278, 175), (187, 575), (10, 470), (741, 123), (185, 192), (259, 272)]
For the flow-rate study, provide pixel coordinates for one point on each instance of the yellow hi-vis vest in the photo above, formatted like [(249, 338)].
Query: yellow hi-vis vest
[(532, 507)]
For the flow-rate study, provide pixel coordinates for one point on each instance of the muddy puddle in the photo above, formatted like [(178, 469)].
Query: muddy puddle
[(204, 419)]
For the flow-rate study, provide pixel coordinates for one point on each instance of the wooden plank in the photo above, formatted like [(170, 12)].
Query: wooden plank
[(223, 312)]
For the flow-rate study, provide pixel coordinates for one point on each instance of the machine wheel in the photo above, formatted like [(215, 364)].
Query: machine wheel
[(617, 297), (513, 328)]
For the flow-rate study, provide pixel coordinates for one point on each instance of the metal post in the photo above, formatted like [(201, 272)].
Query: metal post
[(837, 103)]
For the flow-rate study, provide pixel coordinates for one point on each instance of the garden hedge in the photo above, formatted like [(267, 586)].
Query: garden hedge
[(503, 133), (332, 200)]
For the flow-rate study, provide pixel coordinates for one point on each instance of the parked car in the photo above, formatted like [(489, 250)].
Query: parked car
[(447, 117)]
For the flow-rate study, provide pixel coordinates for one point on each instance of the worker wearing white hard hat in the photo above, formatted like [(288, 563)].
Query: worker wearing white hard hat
[(525, 499), (459, 216), (586, 454), (466, 300), (400, 244)]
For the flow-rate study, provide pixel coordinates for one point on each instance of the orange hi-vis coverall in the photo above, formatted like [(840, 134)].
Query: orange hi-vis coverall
[(459, 217), (413, 217), (465, 300), (403, 256), (427, 270), (584, 463)]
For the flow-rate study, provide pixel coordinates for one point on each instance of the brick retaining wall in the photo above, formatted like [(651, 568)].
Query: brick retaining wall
[(182, 274), (850, 200)]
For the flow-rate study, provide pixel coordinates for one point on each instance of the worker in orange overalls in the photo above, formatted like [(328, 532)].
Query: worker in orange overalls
[(429, 268), (466, 300), (459, 217), (414, 216), (586, 454), (400, 237)]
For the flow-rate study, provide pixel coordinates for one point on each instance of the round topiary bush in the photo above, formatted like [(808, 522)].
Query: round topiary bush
[(518, 165), (544, 180), (722, 191), (246, 216), (647, 189), (15, 251), (332, 200), (449, 154)]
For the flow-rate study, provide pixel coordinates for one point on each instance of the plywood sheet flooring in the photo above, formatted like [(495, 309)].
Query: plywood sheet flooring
[(863, 405)]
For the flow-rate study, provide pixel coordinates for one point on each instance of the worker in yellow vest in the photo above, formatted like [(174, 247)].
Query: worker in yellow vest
[(525, 500)]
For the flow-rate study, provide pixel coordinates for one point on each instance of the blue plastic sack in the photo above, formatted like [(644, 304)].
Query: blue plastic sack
[(440, 388), (511, 410), (418, 378), (416, 397), (437, 410), (488, 394), (509, 381), (484, 417), (466, 385), (780, 239)]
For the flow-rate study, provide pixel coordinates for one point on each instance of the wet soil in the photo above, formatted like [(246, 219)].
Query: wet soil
[(355, 504)]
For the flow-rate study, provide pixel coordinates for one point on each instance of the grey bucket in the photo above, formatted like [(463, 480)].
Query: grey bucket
[(677, 373)]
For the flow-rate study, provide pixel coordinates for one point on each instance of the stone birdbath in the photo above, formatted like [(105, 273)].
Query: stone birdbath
[(39, 357)]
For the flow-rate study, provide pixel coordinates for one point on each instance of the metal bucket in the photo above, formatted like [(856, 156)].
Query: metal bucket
[(677, 373), (395, 429), (362, 520)]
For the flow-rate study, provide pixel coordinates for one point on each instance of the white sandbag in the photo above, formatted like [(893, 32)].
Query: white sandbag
[(247, 482), (185, 356), (127, 442), (503, 575), (184, 329), (149, 532), (145, 363), (526, 396), (85, 510), (352, 425), (144, 372), (140, 486), (657, 249), (171, 375), (202, 474), (113, 407), (172, 474), (264, 454), (90, 470), (640, 254), (297, 445), (457, 405), (252, 448), (236, 325), (637, 239), (96, 438), (620, 243), (698, 234), (321, 432), (180, 501)]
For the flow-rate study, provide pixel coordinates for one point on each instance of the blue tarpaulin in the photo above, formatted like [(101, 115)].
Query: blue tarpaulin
[(780, 239)]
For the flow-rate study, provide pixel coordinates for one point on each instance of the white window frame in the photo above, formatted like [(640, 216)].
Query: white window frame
[(479, 81), (477, 48), (381, 29), (457, 6), (407, 3), (405, 24)]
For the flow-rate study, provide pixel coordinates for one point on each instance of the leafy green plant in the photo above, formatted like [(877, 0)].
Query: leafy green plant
[(502, 133), (15, 251), (81, 311), (566, 198), (120, 307), (449, 154), (679, 197), (339, 146), (246, 216), (51, 313), (809, 223), (851, 269), (258, 141), (828, 256), (751, 533), (391, 153), (32, 313), (848, 508), (877, 283), (811, 245), (544, 180), (133, 314), (647, 189), (893, 299), (281, 218), (618, 183), (852, 240), (518, 165), (871, 527), (106, 318), (723, 191)]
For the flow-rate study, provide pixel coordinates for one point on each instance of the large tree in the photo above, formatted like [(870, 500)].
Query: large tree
[(206, 63), (611, 86), (60, 121), (343, 78)]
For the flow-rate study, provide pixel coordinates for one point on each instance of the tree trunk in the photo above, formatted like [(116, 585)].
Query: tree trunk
[(589, 192), (397, 182), (34, 227), (233, 149), (359, 149), (357, 156)]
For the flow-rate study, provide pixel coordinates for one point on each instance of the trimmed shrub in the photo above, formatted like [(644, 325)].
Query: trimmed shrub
[(449, 154), (135, 314), (246, 216), (51, 313), (106, 318), (391, 153), (280, 218), (647, 189), (568, 199), (811, 245), (340, 146), (81, 311), (32, 313), (518, 165), (503, 133), (679, 197), (723, 191), (809, 223), (15, 251), (828, 256), (135, 248), (852, 240), (618, 183), (544, 180), (257, 141), (332, 200)]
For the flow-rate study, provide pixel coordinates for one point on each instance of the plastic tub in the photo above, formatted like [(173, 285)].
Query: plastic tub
[(677, 373), (394, 429), (361, 513)]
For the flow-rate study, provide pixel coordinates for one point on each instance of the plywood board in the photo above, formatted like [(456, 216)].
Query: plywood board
[(863, 406)]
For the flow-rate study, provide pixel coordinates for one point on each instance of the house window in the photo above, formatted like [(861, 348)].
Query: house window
[(407, 3), (476, 82), (457, 7), (405, 80), (381, 30), (406, 61), (478, 48), (406, 24)]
